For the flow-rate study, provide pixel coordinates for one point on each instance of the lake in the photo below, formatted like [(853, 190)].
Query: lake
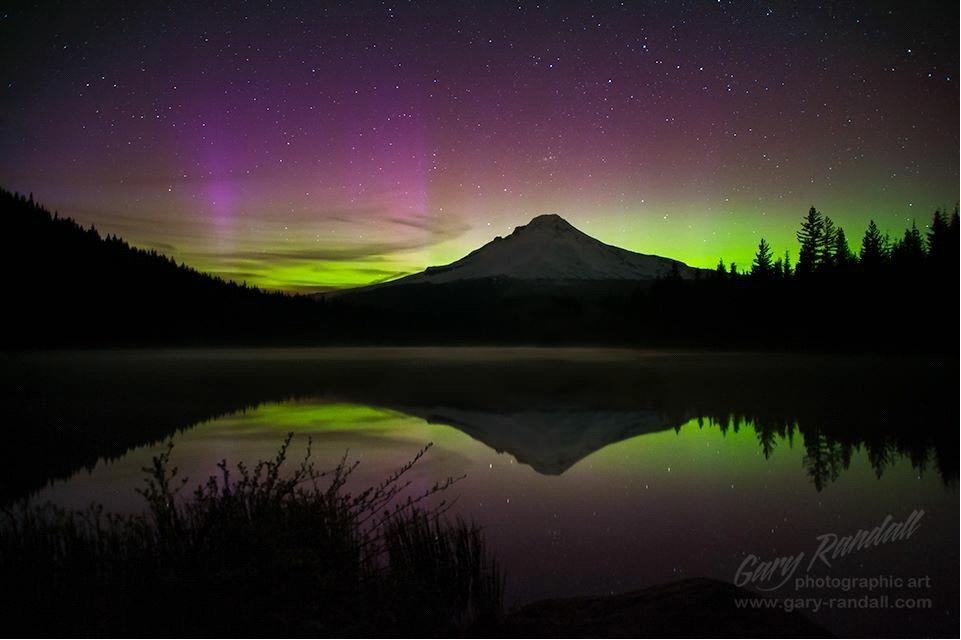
[(590, 471)]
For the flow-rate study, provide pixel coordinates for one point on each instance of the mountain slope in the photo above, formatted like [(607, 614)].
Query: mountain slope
[(550, 248), (71, 285)]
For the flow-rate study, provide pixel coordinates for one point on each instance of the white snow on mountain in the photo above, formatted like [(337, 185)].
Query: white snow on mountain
[(550, 248)]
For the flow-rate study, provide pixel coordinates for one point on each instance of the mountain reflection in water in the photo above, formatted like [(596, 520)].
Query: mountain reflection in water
[(547, 408), (591, 471)]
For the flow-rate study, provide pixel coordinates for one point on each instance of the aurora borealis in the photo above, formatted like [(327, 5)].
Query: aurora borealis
[(303, 146)]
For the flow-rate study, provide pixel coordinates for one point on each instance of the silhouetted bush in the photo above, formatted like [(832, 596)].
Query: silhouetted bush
[(262, 553)]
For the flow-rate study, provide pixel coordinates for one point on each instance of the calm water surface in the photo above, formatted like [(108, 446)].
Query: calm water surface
[(591, 473)]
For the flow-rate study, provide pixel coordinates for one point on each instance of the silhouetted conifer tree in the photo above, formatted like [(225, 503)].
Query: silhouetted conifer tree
[(951, 262), (811, 237), (762, 266), (873, 251), (827, 246), (720, 271), (908, 252), (939, 240), (823, 459), (843, 257), (767, 439)]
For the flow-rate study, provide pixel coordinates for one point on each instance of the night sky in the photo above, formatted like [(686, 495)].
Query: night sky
[(308, 146)]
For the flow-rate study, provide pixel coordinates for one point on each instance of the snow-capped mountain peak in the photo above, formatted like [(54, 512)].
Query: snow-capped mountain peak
[(550, 248)]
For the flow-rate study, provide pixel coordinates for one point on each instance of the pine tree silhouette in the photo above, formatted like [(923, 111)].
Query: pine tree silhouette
[(939, 240), (811, 237), (762, 266), (908, 253), (873, 252), (828, 245), (720, 269), (778, 269), (843, 257)]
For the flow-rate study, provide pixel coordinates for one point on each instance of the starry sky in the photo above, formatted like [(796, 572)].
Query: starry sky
[(308, 146)]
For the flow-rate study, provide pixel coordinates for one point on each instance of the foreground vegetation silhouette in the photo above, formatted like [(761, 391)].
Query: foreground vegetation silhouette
[(256, 551)]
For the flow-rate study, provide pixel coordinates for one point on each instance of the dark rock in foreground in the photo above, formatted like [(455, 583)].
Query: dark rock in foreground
[(699, 607)]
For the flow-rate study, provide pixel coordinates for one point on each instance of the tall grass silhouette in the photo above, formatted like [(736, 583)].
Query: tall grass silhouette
[(263, 550)]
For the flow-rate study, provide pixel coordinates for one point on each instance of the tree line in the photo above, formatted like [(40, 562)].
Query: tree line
[(824, 250), (888, 294), (69, 285)]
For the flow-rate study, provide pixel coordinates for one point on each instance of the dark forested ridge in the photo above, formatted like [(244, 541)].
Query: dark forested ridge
[(72, 286), (899, 294), (69, 285)]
